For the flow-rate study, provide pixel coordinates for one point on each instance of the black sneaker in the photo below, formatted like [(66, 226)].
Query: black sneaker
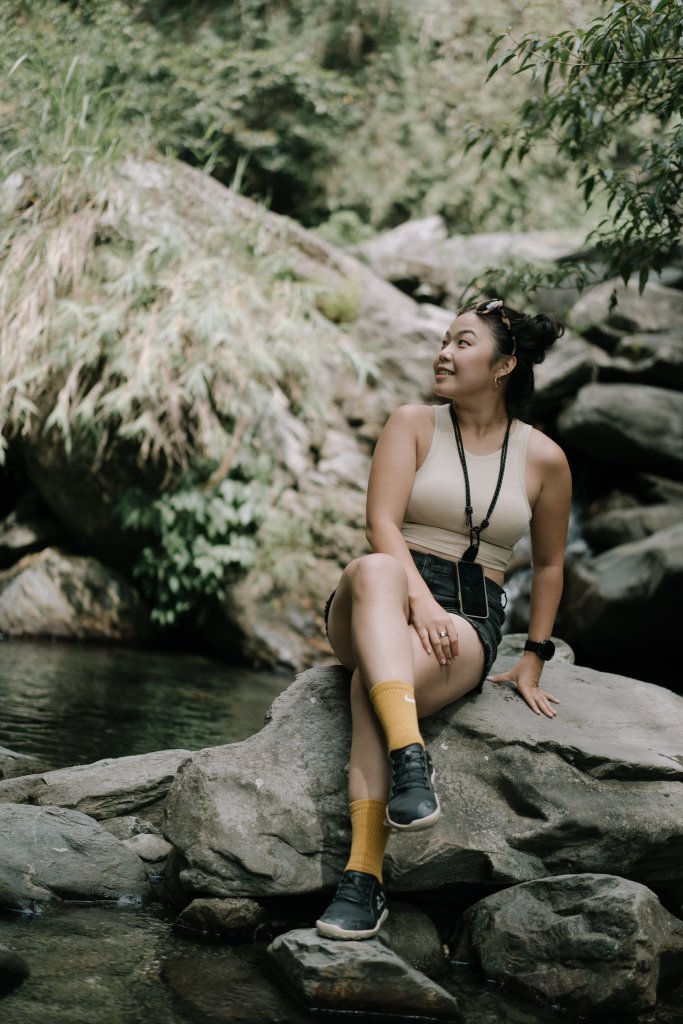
[(358, 910), (413, 804)]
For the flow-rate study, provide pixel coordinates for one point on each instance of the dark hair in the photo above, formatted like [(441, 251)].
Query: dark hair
[(533, 336)]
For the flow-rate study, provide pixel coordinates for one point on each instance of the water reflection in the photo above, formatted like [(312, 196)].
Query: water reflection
[(76, 703)]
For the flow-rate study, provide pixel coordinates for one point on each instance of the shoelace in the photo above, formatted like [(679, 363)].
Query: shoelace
[(412, 770), (354, 890)]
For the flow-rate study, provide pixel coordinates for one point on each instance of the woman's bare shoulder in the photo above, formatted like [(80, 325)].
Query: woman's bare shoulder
[(544, 448), (544, 451), (414, 413)]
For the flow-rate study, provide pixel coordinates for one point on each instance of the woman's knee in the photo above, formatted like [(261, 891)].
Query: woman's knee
[(370, 573)]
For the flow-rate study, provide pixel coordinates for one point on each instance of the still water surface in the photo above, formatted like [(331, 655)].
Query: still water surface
[(73, 704)]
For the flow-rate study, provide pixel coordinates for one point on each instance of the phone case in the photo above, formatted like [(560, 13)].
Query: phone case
[(472, 594)]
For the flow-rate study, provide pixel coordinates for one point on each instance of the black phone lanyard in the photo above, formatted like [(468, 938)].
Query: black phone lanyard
[(473, 549)]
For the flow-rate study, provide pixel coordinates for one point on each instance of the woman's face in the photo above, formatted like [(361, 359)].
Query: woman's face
[(465, 363)]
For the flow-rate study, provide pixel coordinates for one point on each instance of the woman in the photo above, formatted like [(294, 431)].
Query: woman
[(417, 622)]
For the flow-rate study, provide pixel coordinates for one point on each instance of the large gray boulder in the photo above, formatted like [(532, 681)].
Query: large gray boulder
[(523, 796), (647, 359), (587, 943), (52, 593), (628, 424), (614, 602), (659, 309), (104, 789), (419, 255), (361, 976), (49, 854), (618, 526), (570, 364)]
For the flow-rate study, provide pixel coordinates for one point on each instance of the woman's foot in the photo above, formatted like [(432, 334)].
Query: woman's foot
[(358, 910), (413, 804)]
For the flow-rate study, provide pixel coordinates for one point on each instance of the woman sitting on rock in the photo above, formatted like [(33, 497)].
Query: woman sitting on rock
[(452, 488)]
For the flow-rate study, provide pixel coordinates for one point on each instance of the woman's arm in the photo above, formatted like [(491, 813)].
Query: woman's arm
[(393, 469), (549, 524)]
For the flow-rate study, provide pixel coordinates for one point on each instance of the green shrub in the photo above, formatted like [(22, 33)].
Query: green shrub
[(203, 541)]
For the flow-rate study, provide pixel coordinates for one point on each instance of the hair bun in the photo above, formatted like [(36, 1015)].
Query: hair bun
[(542, 332)]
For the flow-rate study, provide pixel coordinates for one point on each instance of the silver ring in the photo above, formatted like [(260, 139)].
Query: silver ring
[(444, 633)]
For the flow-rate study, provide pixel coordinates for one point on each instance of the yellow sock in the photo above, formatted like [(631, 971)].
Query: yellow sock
[(394, 704), (369, 837)]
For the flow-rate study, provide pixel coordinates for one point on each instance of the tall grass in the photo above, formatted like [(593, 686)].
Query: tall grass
[(145, 310)]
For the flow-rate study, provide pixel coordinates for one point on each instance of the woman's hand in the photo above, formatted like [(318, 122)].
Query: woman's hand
[(434, 627), (525, 675)]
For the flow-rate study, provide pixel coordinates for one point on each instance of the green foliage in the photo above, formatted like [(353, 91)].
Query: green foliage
[(203, 541), (349, 105), (610, 97)]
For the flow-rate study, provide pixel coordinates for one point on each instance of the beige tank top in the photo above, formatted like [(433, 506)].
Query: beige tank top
[(435, 513)]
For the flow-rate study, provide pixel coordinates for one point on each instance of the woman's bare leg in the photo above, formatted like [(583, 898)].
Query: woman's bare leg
[(368, 765), (368, 620), (370, 633)]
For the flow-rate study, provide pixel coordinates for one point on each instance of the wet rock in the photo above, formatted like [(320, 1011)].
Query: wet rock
[(587, 943), (627, 424), (512, 645), (150, 848), (14, 764), (412, 935), (233, 919), (658, 309), (49, 853), (523, 796), (621, 526), (629, 591), (360, 976), (13, 970), (104, 789), (55, 594)]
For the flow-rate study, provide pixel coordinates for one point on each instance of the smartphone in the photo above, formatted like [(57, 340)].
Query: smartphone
[(471, 584)]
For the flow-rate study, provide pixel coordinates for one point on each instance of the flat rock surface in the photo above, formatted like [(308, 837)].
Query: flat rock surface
[(104, 789), (523, 796), (584, 942), (49, 853), (359, 976)]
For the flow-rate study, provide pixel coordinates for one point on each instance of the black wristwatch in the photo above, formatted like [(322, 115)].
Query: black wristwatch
[(543, 648)]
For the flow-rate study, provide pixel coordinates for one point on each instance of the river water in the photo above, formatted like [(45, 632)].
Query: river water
[(72, 704)]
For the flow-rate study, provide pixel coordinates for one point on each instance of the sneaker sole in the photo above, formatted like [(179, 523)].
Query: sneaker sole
[(334, 931), (418, 824)]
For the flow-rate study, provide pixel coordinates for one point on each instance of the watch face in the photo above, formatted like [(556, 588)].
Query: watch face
[(546, 649)]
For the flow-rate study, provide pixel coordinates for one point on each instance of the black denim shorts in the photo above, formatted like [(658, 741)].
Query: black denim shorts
[(439, 575)]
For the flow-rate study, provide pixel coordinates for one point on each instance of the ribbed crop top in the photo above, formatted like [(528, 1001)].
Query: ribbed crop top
[(435, 513)]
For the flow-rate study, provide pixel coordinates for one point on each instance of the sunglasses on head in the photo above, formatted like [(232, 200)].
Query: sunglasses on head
[(492, 306)]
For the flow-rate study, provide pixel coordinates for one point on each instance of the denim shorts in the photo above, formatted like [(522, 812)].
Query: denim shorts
[(439, 575)]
